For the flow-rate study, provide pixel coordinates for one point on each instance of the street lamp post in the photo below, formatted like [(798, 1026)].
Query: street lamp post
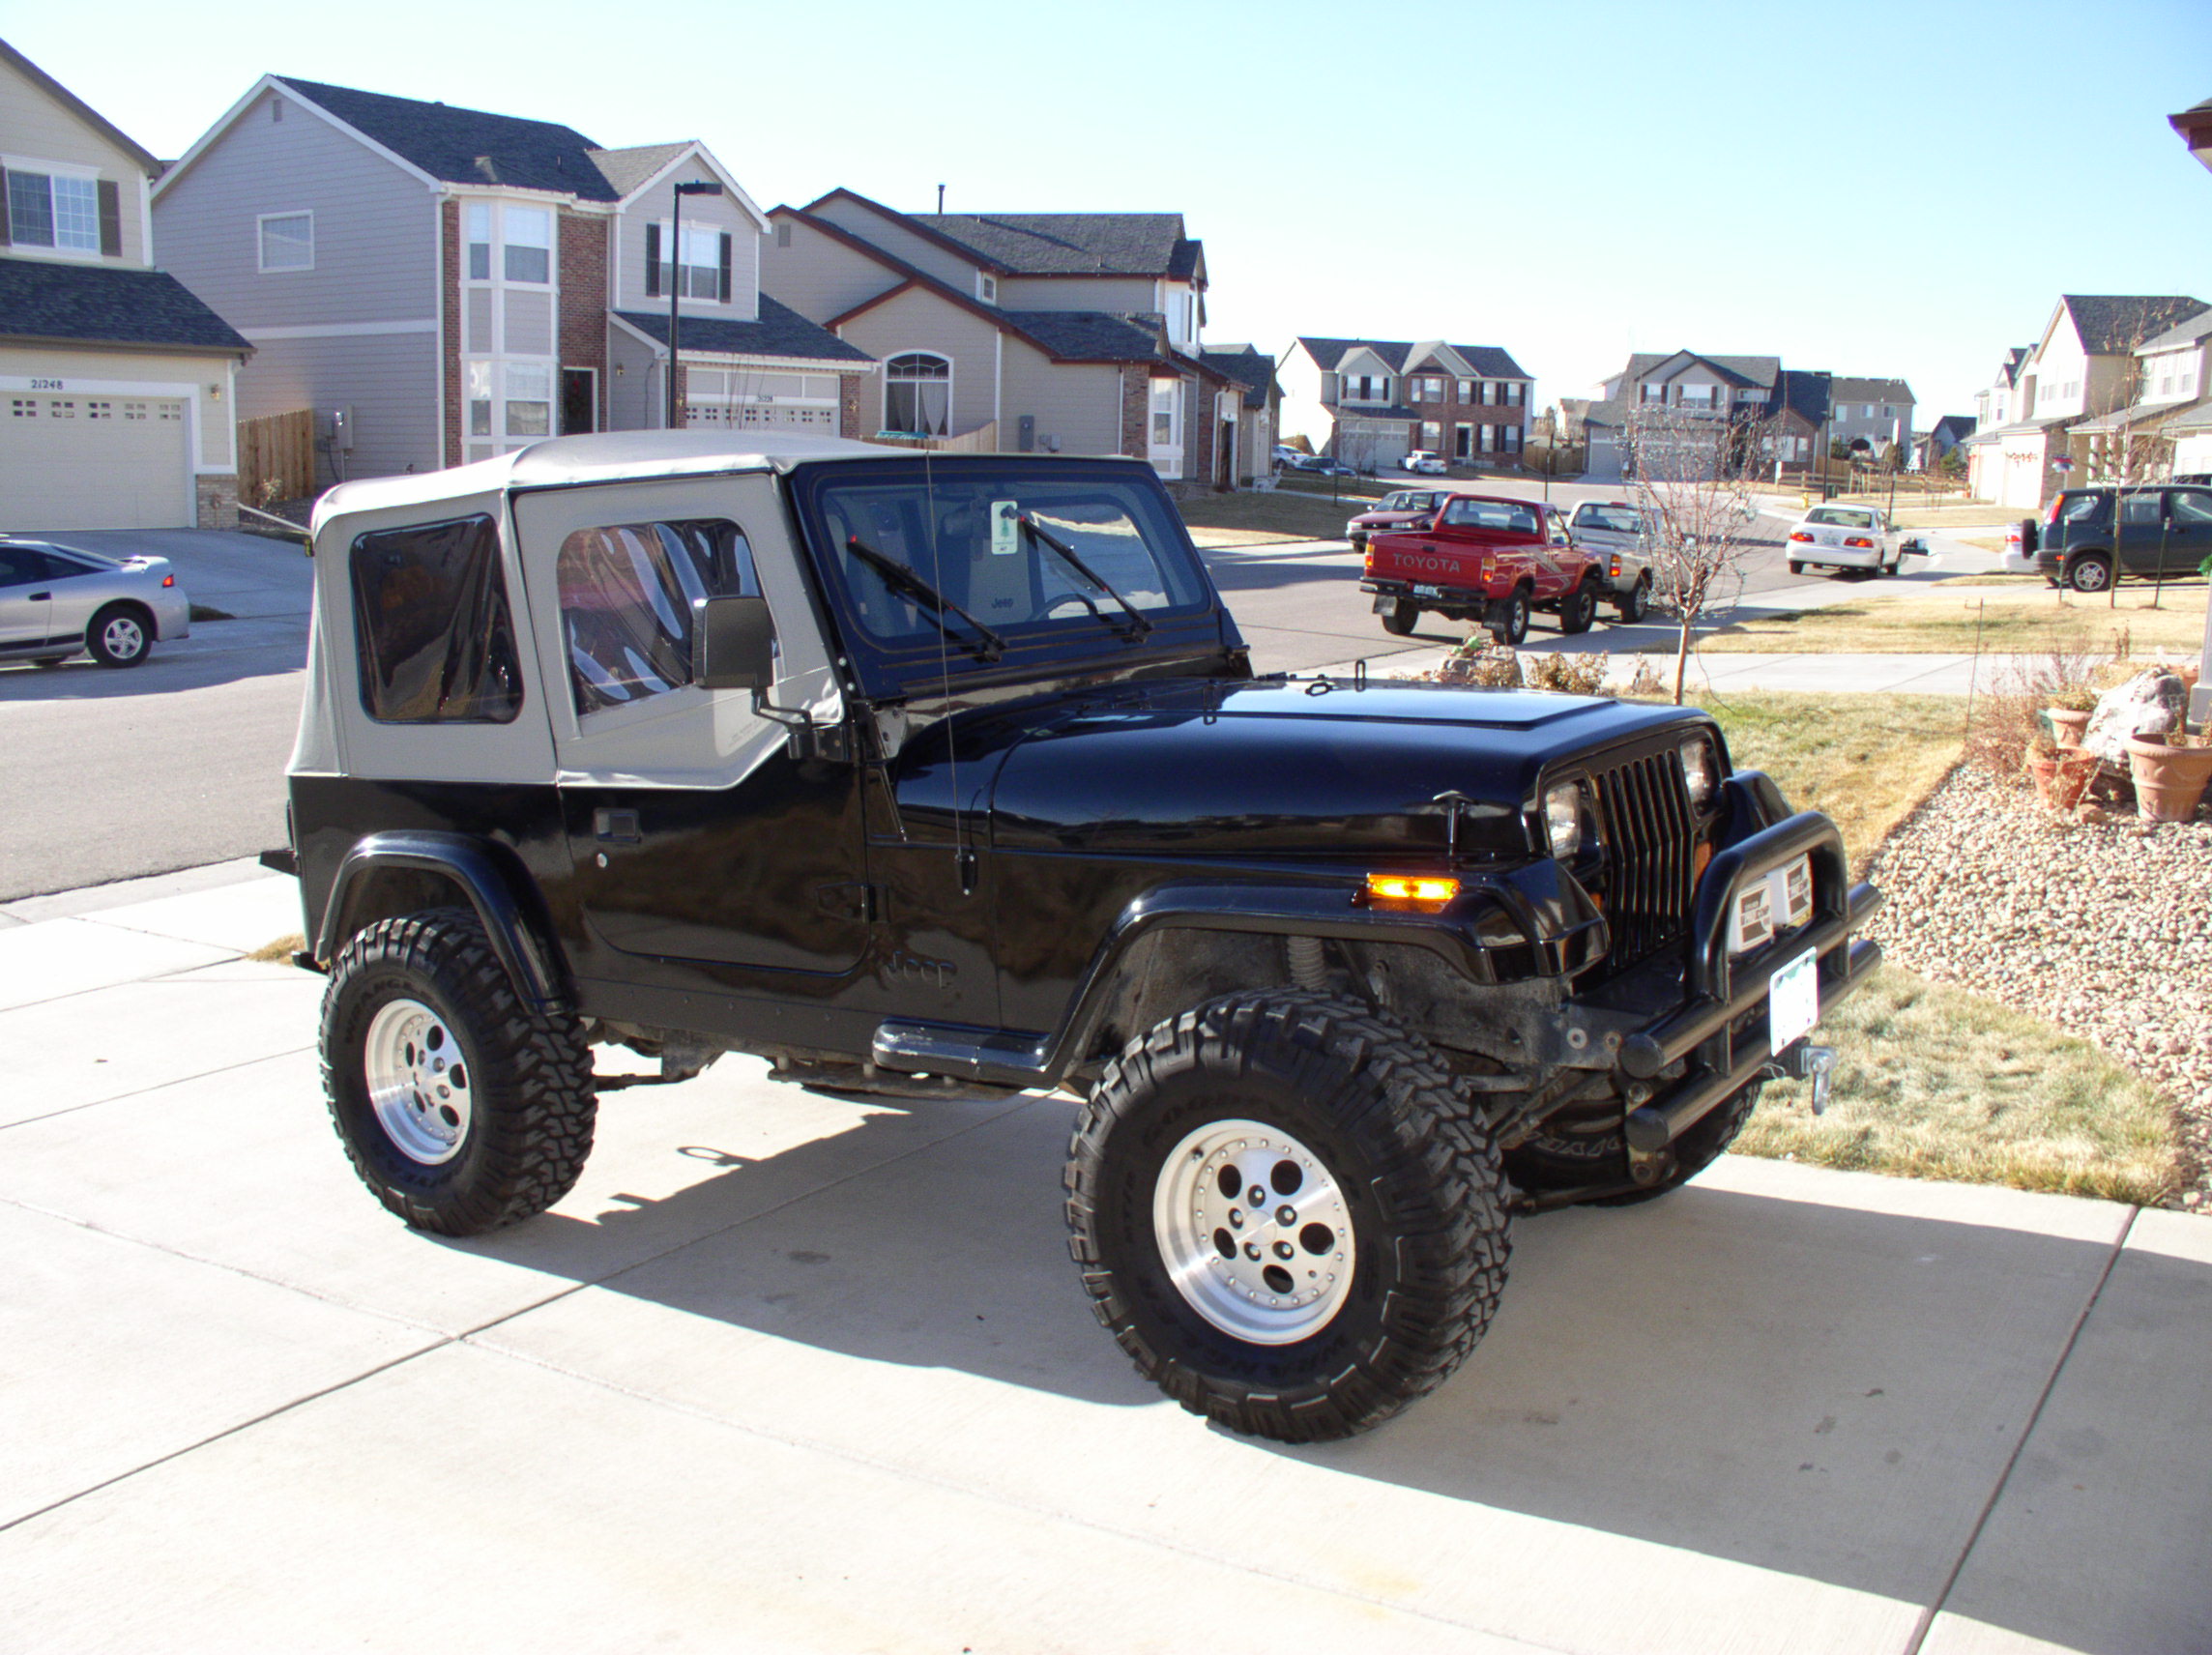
[(676, 267)]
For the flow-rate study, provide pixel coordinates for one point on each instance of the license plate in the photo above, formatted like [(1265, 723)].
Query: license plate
[(1793, 1000), (1428, 591)]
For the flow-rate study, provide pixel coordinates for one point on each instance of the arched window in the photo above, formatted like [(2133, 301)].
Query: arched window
[(917, 394)]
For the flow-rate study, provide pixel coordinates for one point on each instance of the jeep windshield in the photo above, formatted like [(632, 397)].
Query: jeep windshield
[(1055, 558)]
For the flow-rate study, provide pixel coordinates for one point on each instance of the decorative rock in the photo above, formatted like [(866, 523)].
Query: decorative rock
[(2149, 703)]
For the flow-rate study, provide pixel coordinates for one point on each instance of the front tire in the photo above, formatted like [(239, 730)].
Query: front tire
[(1401, 618), (1384, 1272), (121, 635), (1511, 625), (461, 1108)]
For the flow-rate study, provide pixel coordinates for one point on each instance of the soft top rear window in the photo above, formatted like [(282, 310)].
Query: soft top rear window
[(432, 628)]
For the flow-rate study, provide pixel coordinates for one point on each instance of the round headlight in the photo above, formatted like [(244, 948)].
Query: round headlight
[(1564, 818), (1702, 771)]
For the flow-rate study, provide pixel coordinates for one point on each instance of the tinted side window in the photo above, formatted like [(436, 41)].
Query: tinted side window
[(2192, 505), (626, 592), (20, 565), (2140, 511), (432, 624), (2081, 508)]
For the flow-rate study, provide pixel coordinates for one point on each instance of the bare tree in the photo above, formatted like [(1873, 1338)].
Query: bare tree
[(1692, 475)]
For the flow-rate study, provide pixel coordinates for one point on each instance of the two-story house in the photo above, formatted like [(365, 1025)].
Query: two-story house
[(2082, 367), (1870, 414), (1074, 333), (119, 382), (1743, 389), (1994, 407), (442, 284), (2143, 439), (1370, 402)]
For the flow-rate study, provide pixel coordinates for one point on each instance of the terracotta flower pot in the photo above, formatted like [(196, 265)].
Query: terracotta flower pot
[(2062, 776), (2067, 726), (2169, 781)]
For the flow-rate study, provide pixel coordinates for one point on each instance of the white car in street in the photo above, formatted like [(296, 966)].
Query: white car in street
[(56, 601), (1425, 462), (1847, 538)]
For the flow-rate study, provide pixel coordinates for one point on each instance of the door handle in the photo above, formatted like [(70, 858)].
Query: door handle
[(41, 597), (616, 828)]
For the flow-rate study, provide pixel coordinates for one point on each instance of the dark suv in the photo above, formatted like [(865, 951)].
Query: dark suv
[(925, 776), (2161, 531)]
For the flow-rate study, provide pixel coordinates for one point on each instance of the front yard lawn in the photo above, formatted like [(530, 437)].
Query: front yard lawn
[(1277, 514), (1942, 619)]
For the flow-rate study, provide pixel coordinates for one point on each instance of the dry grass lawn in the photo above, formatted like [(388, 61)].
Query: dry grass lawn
[(1866, 760), (1933, 1082), (2013, 618), (1279, 514)]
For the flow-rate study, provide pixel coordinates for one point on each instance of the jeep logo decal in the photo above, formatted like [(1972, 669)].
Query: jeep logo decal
[(917, 967)]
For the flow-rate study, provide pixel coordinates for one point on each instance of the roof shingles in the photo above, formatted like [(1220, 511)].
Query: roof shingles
[(468, 146), (97, 304), (1488, 361), (780, 332)]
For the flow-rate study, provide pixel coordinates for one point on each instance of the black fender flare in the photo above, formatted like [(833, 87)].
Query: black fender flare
[(517, 929)]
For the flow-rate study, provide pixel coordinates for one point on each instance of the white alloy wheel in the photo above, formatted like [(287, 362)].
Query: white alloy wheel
[(418, 1082), (1254, 1232)]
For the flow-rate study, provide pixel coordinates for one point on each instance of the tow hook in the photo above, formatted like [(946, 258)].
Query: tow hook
[(1801, 1061)]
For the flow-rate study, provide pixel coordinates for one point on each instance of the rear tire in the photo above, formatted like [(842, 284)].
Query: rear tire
[(1796, 567), (1577, 610), (121, 635), (1384, 1168), (1511, 625), (1636, 603), (1401, 618), (2092, 571), (461, 1108)]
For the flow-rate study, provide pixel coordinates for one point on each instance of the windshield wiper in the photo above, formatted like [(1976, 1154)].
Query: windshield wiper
[(987, 645), (1137, 626)]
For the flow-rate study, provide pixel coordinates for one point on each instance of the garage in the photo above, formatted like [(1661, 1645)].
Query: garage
[(95, 461)]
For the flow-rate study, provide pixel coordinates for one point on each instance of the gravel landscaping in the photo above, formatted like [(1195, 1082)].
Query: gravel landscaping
[(2099, 924)]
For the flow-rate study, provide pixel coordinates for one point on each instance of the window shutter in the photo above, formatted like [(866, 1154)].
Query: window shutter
[(724, 289), (110, 218), (653, 261)]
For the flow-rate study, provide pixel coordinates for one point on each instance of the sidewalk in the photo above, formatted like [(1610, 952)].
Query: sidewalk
[(791, 1373)]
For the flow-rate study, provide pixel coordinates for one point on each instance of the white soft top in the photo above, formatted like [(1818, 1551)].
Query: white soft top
[(613, 456)]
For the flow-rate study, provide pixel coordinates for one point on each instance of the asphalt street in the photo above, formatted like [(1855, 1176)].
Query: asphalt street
[(109, 775)]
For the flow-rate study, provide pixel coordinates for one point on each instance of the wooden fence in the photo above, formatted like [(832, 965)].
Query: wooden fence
[(276, 457), (982, 440)]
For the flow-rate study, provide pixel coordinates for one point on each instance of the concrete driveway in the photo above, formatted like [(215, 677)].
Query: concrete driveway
[(793, 1373)]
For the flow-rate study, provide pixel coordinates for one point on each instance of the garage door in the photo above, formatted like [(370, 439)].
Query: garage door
[(78, 462)]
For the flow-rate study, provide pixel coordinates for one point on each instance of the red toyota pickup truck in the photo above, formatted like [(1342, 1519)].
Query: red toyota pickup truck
[(1484, 558)]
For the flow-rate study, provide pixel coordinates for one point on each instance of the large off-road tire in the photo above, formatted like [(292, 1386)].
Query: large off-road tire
[(1401, 618), (1509, 624), (461, 1108), (1583, 1150), (121, 635), (1372, 1259), (1577, 610), (2091, 571)]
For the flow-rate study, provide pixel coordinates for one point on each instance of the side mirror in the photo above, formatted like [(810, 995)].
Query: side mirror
[(732, 643)]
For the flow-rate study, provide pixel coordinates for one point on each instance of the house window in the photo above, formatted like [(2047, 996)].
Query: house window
[(1167, 403), (1432, 435), (1697, 396), (288, 241), (1516, 394), (1490, 389), (783, 235), (917, 394), (49, 211), (987, 288), (480, 399), (1467, 390), (529, 400), (528, 235), (480, 241), (702, 271)]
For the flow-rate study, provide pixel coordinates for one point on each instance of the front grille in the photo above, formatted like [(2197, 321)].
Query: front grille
[(1644, 822)]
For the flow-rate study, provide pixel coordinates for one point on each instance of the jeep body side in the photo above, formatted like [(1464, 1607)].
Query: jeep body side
[(928, 775), (1488, 559)]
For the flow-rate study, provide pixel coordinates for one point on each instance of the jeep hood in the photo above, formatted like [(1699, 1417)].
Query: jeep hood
[(1299, 766)]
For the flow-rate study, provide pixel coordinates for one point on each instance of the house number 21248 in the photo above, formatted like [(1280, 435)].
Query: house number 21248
[(47, 385)]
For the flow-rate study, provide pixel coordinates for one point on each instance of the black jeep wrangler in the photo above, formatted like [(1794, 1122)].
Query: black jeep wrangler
[(923, 777)]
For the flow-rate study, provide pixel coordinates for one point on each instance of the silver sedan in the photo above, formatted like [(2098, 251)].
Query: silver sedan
[(55, 602)]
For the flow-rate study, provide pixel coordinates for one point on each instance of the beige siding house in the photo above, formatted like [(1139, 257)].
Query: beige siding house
[(117, 382), (440, 284), (1057, 333)]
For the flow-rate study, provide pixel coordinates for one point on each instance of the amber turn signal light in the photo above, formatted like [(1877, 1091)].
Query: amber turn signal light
[(1424, 890)]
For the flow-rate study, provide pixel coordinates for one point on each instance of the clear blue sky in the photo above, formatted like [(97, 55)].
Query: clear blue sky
[(1871, 188)]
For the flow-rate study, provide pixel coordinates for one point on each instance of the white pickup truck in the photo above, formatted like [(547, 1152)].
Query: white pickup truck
[(1848, 537)]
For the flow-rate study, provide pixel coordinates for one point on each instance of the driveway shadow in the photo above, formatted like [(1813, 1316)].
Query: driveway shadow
[(218, 653), (1825, 1391)]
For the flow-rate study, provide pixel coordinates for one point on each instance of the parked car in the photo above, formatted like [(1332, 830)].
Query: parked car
[(648, 741), (1400, 509), (1425, 462), (1613, 530), (1286, 455), (2161, 531), (1847, 538), (56, 601), (1485, 559)]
